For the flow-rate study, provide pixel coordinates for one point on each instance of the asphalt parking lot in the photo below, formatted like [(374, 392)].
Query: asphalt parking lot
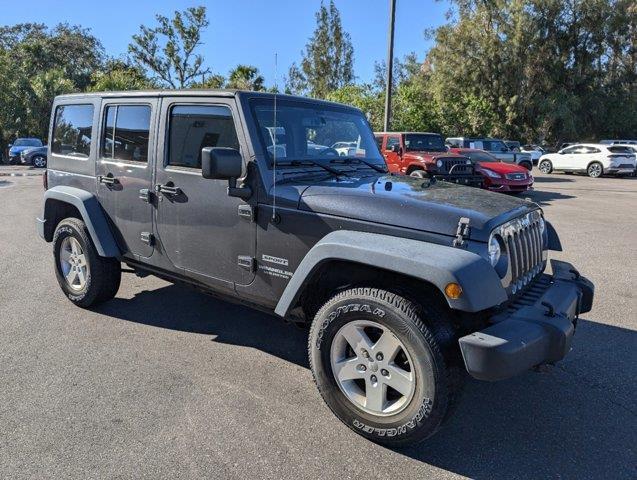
[(164, 382)]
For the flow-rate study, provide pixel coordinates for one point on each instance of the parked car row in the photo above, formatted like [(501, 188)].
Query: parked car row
[(424, 154)]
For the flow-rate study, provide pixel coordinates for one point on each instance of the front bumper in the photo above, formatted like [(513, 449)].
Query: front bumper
[(537, 328), (470, 180)]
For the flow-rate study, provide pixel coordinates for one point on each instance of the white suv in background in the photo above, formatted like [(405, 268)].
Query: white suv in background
[(594, 159)]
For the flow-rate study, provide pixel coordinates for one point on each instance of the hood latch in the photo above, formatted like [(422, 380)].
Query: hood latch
[(462, 233)]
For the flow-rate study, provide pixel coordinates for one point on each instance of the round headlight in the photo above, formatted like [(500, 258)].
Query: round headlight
[(494, 251), (439, 163), (468, 162)]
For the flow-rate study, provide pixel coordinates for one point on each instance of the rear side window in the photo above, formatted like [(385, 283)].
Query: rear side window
[(620, 149), (194, 127), (126, 132), (73, 130)]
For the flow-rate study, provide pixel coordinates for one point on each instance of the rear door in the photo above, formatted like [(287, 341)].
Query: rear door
[(124, 174), (203, 231)]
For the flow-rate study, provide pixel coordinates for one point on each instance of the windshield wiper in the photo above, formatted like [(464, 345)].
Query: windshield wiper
[(298, 163), (372, 165)]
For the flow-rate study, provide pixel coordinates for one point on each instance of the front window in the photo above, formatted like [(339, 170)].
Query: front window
[(494, 146), (195, 127), (424, 143), (314, 131), (27, 142)]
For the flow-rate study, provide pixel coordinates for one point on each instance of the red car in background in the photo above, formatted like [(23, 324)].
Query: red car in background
[(498, 176)]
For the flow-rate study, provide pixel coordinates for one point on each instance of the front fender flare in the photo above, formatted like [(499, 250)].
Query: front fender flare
[(92, 215), (436, 264)]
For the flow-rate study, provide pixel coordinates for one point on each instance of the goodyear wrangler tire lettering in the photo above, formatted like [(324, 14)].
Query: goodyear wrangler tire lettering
[(421, 329)]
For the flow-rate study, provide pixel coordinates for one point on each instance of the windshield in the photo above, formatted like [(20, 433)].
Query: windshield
[(417, 142), (27, 142), (480, 156), (314, 131)]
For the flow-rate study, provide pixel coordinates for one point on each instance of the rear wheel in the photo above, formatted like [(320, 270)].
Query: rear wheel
[(527, 165), (595, 170), (84, 276), (39, 161), (546, 166), (381, 364)]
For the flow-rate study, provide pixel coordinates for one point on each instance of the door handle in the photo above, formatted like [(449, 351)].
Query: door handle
[(168, 189), (107, 179)]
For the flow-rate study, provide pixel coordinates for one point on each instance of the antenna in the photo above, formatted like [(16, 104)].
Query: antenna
[(276, 89)]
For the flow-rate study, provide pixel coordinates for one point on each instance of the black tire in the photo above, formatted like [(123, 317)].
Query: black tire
[(527, 165), (419, 174), (103, 276), (38, 161), (545, 166), (595, 170), (425, 333)]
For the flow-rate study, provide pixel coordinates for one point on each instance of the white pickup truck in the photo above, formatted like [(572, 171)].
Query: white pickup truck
[(495, 147)]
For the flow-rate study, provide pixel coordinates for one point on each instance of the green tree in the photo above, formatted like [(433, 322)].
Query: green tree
[(167, 51), (328, 59), (37, 63), (245, 77), (117, 75)]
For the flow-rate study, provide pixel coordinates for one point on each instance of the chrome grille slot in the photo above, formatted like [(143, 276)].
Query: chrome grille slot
[(456, 166), (523, 241)]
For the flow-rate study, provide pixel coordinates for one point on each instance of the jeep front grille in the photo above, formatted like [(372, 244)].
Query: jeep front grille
[(524, 245), (456, 166)]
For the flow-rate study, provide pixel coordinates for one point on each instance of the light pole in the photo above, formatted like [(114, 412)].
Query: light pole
[(390, 64)]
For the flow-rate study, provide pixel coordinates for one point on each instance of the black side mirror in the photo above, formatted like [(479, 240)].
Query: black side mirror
[(224, 164), (395, 148)]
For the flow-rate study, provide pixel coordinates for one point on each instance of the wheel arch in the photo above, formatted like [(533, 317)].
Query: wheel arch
[(430, 266), (414, 166), (62, 202)]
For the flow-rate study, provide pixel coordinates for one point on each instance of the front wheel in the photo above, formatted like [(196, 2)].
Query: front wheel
[(546, 166), (85, 277), (418, 174), (595, 170), (380, 368)]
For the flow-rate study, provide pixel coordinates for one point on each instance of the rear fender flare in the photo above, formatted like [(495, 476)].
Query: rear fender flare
[(433, 263), (92, 215)]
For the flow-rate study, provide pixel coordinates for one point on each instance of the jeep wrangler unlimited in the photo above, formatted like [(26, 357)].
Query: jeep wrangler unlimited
[(404, 282)]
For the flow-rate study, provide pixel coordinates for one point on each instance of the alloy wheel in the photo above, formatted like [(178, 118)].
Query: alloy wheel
[(39, 161), (594, 170), (73, 263), (372, 368)]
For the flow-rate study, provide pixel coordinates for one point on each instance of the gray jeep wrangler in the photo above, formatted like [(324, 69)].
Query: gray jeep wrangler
[(405, 283)]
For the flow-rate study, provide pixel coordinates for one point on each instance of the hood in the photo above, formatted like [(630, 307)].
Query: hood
[(412, 203), (502, 167), (17, 150)]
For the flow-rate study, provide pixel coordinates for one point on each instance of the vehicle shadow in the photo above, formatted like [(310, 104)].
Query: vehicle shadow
[(554, 179), (180, 308), (575, 420), (544, 198)]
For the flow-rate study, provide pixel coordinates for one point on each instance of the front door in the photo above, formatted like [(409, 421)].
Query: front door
[(393, 159), (124, 172), (199, 226)]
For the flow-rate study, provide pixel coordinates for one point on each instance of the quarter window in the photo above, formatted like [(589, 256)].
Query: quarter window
[(126, 132), (72, 130), (194, 127)]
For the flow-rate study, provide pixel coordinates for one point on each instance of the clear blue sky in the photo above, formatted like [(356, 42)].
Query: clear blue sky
[(247, 31)]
